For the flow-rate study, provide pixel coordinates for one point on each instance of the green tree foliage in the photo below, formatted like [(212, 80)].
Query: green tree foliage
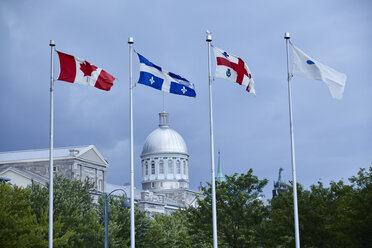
[(338, 216), (314, 214), (240, 212), (169, 232), (76, 222), (119, 223), (17, 222), (352, 209)]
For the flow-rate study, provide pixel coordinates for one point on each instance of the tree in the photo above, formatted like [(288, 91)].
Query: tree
[(352, 210), (315, 215), (119, 223), (18, 223), (362, 204), (76, 222), (169, 231), (338, 216), (240, 212)]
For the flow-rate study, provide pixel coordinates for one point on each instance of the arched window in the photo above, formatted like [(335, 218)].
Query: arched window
[(170, 166), (184, 168), (178, 165), (161, 167), (147, 168), (152, 167)]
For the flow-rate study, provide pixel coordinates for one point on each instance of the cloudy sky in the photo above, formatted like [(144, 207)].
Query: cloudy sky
[(333, 138)]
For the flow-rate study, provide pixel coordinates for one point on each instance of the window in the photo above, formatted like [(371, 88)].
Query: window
[(152, 167), (178, 166), (170, 166), (55, 169), (77, 171), (152, 185), (100, 186), (184, 168), (147, 168), (161, 167)]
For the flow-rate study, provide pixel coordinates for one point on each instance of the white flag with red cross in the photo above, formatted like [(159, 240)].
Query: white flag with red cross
[(233, 68)]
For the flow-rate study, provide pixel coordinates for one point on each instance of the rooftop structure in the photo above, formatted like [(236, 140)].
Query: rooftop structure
[(164, 158)]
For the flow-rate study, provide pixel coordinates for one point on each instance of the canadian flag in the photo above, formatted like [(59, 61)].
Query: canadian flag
[(233, 68), (75, 70)]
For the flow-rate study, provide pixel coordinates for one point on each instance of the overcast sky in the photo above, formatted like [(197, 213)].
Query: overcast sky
[(333, 138)]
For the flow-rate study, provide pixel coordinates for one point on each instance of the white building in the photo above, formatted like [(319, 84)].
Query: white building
[(165, 165), (165, 172), (164, 161), (80, 162)]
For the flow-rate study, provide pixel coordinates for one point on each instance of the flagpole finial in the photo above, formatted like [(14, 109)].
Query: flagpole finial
[(130, 40), (52, 43), (209, 36), (287, 36)]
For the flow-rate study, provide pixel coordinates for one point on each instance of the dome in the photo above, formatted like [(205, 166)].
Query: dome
[(164, 140), (164, 159)]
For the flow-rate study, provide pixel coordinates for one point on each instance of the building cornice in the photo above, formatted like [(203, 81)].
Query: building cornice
[(162, 154)]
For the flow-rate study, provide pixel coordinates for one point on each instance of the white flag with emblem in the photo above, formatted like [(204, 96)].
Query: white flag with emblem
[(304, 65), (233, 68)]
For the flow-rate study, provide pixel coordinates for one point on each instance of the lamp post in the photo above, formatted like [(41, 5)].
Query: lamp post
[(105, 214)]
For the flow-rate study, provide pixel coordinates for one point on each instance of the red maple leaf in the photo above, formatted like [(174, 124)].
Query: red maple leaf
[(87, 68)]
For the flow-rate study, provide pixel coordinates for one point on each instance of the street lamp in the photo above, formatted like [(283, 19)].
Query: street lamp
[(105, 214)]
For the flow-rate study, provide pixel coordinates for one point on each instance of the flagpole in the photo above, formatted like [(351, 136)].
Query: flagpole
[(214, 212), (51, 44), (295, 208), (132, 226), (163, 101)]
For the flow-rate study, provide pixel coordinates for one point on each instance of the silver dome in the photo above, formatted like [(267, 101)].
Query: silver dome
[(164, 140)]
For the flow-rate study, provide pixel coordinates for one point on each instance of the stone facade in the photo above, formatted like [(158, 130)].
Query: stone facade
[(160, 202), (165, 171), (82, 163)]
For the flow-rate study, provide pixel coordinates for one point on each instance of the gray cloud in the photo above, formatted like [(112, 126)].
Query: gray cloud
[(333, 138)]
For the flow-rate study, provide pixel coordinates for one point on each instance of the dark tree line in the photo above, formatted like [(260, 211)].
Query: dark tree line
[(336, 216)]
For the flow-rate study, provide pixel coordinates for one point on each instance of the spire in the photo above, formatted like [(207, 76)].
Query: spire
[(220, 177), (163, 119)]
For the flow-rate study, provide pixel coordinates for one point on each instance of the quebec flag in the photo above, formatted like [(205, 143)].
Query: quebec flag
[(154, 76)]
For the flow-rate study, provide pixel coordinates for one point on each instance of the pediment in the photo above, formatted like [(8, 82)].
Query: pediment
[(92, 155)]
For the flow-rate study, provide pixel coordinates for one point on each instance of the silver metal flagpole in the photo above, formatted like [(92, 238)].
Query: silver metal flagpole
[(132, 226), (295, 208), (51, 44), (214, 211)]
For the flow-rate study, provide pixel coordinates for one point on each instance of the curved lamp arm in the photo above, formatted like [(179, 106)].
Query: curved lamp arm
[(125, 193), (105, 214)]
